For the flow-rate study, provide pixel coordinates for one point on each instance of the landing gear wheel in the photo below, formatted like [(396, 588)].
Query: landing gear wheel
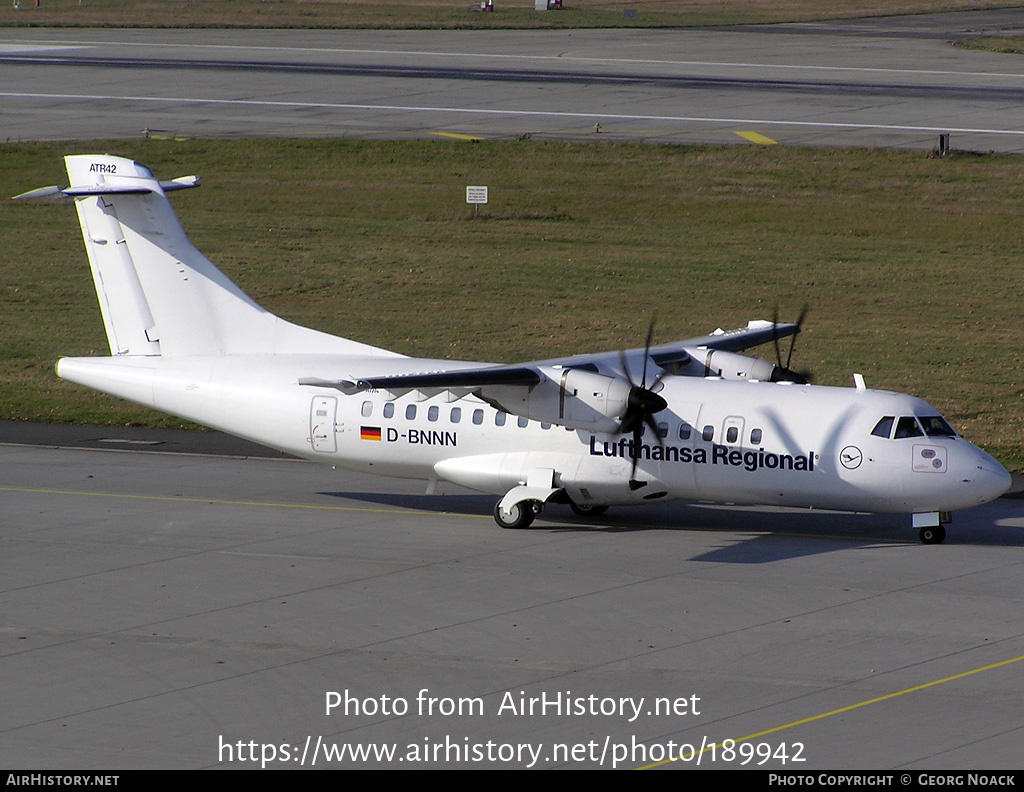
[(519, 516), (932, 534), (587, 510)]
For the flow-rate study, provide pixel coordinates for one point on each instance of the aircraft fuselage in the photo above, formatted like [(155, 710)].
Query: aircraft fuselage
[(729, 441)]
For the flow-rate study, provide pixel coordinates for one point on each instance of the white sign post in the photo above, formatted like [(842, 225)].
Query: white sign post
[(476, 196)]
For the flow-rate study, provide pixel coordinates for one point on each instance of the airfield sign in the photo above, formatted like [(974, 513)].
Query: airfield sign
[(476, 196)]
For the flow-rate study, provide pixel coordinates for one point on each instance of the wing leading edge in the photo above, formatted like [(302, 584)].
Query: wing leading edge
[(529, 375)]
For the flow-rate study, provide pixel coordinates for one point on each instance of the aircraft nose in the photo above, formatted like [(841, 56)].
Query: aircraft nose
[(989, 478)]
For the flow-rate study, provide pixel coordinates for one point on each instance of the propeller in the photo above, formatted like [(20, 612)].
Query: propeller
[(783, 373), (642, 404)]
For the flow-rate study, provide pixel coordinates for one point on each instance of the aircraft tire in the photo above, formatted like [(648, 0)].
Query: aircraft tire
[(932, 534), (520, 515), (587, 510)]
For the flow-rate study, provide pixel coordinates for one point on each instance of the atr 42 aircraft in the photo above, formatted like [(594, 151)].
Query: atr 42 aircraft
[(710, 425)]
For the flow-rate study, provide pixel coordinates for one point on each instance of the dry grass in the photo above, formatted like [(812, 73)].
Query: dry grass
[(453, 13), (911, 264), (1013, 45)]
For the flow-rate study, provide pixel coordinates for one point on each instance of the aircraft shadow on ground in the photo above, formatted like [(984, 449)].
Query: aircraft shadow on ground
[(439, 504), (769, 534)]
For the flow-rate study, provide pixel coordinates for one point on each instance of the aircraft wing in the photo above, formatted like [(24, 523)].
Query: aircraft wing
[(529, 375), (754, 334), (676, 353), (468, 378)]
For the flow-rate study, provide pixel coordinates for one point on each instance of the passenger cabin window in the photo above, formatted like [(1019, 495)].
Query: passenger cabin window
[(732, 434), (367, 409), (884, 427), (684, 431), (936, 426), (523, 422), (410, 412), (708, 433), (662, 429), (499, 418), (755, 437), (432, 413), (907, 427), (478, 417), (389, 410), (456, 414)]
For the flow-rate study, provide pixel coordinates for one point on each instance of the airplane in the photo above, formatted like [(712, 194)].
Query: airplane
[(703, 423)]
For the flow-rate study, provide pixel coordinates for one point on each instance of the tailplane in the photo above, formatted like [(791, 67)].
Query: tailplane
[(158, 294)]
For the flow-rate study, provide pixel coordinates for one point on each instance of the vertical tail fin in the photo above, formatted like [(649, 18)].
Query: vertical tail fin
[(158, 294)]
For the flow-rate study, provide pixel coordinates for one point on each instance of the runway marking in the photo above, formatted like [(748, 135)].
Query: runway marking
[(538, 113), (848, 708), (220, 502), (516, 56), (37, 48), (457, 136), (755, 137)]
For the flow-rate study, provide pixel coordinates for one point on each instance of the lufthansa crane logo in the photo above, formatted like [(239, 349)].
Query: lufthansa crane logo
[(851, 457)]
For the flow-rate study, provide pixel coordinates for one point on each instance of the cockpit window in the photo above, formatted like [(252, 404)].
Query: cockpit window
[(907, 426), (884, 427), (936, 426)]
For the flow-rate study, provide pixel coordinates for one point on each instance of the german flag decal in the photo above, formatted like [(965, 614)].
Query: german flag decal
[(369, 433)]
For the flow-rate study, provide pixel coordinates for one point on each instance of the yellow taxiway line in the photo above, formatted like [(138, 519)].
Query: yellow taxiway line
[(457, 136), (858, 705), (755, 137)]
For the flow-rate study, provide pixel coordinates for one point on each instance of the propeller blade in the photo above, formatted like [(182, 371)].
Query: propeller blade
[(799, 327), (647, 349), (783, 373), (655, 429), (625, 368), (637, 435), (642, 404), (775, 337)]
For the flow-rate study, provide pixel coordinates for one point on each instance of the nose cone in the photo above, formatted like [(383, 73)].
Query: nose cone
[(988, 479)]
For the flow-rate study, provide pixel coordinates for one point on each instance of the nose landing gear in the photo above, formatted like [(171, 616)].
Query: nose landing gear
[(932, 534), (932, 526)]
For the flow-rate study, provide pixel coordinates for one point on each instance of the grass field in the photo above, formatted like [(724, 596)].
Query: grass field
[(1012, 45), (911, 265), (453, 13)]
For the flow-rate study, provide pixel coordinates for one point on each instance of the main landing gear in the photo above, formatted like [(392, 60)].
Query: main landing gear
[(522, 514), (587, 509)]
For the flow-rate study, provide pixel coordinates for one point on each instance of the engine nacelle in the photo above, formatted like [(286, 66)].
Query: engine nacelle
[(576, 398), (706, 362)]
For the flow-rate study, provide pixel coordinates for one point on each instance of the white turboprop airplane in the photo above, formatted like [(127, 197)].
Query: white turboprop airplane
[(712, 425)]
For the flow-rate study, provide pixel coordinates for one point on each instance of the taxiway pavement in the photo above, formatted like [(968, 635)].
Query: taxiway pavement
[(184, 609), (893, 82)]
